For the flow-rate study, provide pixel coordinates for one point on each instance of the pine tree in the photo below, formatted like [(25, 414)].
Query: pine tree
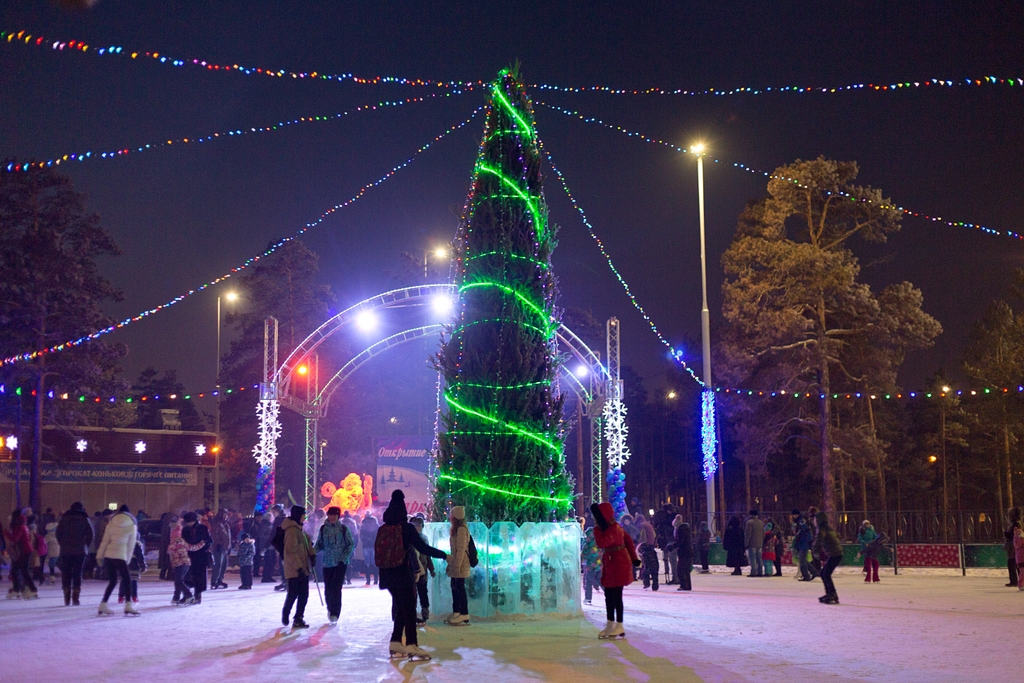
[(501, 451)]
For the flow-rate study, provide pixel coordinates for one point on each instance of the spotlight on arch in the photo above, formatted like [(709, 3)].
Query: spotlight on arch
[(366, 321), (581, 371), (442, 304)]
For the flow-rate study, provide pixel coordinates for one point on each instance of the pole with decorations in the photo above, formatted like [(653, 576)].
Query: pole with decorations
[(267, 411), (500, 449)]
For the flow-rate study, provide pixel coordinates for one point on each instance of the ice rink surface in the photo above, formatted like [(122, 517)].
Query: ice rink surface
[(927, 627)]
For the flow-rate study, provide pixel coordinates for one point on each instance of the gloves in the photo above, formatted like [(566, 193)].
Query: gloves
[(598, 517), (637, 563)]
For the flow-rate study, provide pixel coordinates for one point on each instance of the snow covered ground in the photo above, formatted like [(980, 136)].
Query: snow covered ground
[(929, 626)]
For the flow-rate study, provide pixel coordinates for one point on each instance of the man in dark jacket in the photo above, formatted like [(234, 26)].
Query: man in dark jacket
[(827, 545), (195, 533), (753, 541), (74, 535), (665, 532), (220, 532), (399, 580)]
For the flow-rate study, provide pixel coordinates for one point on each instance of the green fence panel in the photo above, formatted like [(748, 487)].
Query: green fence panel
[(988, 555)]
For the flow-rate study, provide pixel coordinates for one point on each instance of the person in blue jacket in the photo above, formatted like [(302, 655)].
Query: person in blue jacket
[(337, 545)]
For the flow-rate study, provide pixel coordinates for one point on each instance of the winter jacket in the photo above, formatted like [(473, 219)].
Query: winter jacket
[(619, 553), (590, 555), (367, 536), (827, 542), (52, 545), (753, 534), (119, 538), (683, 543), (870, 542), (768, 546), (458, 561), (704, 540), (1018, 545), (393, 577), (138, 566), (220, 532), (246, 552), (178, 549), (99, 527), (74, 533), (804, 536), (19, 539), (647, 534), (198, 537), (732, 543), (336, 543), (298, 550)]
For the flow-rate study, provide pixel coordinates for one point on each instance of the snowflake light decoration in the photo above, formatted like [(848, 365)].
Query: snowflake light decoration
[(140, 447), (12, 443), (615, 431), (265, 450), (708, 438), (82, 445), (200, 450)]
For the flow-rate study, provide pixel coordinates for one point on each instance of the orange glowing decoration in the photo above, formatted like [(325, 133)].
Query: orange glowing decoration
[(350, 495)]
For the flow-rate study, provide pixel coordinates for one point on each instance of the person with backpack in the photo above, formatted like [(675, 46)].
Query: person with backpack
[(391, 552), (297, 551), (74, 536), (336, 545), (459, 565)]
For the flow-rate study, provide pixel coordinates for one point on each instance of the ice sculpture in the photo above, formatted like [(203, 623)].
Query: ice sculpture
[(523, 570)]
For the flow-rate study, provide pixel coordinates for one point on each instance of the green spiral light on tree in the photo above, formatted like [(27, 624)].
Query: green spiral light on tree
[(501, 448)]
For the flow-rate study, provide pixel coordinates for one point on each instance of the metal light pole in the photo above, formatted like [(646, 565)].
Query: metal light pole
[(440, 253), (705, 316), (230, 296)]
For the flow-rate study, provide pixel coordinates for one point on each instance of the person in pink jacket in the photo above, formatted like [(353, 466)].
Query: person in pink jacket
[(1018, 550)]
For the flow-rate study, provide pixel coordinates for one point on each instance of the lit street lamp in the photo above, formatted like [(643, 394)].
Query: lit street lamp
[(440, 253), (705, 318), (231, 297)]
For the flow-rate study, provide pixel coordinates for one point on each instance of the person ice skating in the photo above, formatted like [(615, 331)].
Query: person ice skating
[(802, 547), (181, 565), (664, 527), (647, 548), (335, 544), (617, 557), (367, 538), (768, 549), (1013, 518), (426, 568), (683, 546), (827, 545), (136, 568), (704, 547), (163, 561), (220, 532), (732, 543), (753, 541), (458, 565), (268, 569), (198, 536), (591, 558), (870, 542), (40, 551), (298, 566), (353, 528), (245, 557), (115, 552), (391, 554), (19, 548), (74, 536)]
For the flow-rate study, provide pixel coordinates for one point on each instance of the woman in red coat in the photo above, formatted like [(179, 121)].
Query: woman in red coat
[(617, 564)]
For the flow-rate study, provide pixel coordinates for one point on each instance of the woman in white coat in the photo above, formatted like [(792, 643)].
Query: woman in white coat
[(458, 566), (115, 551)]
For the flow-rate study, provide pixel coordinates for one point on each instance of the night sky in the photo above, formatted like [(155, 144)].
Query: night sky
[(189, 213)]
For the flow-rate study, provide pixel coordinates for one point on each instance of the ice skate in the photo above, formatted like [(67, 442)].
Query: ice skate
[(129, 609), (103, 610), (75, 594), (299, 623), (416, 653), (397, 650), (614, 630), (603, 633), (458, 620), (13, 594), (29, 595)]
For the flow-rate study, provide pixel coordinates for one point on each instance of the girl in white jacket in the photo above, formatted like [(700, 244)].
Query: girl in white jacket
[(115, 551)]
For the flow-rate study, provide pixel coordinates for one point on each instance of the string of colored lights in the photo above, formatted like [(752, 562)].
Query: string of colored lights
[(16, 166), (504, 491), (178, 299), (708, 437), (676, 354), (510, 426), (550, 326), (25, 38), (898, 395), (58, 395), (790, 89), (766, 174)]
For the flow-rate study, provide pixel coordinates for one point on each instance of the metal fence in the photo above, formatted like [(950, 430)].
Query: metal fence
[(901, 526)]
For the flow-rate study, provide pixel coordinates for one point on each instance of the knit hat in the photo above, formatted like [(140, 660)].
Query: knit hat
[(190, 517), (77, 507), (124, 508), (677, 521), (458, 512), (297, 512), (243, 537), (334, 511)]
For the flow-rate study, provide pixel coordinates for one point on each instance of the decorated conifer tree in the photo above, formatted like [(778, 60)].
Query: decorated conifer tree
[(501, 448)]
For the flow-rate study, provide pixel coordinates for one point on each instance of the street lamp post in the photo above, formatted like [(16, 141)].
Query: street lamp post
[(705, 316), (439, 253), (942, 427), (230, 296)]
